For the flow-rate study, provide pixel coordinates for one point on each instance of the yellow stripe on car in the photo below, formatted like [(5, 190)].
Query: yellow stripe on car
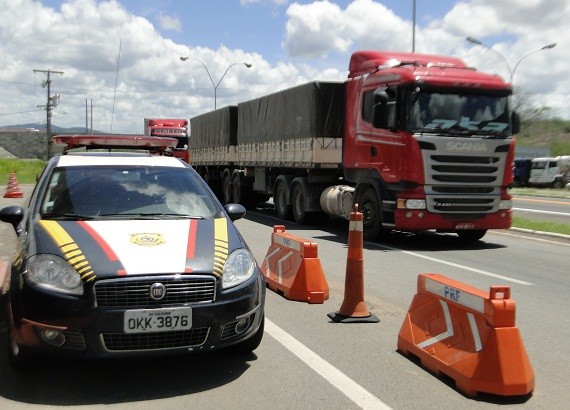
[(220, 245), (69, 248)]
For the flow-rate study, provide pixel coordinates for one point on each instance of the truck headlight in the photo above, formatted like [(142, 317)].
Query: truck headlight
[(54, 273), (239, 267), (411, 203)]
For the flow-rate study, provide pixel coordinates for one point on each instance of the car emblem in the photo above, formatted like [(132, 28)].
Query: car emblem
[(157, 291), (147, 239)]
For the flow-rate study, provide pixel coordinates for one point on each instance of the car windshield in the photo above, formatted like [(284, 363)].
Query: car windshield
[(450, 114), (77, 192)]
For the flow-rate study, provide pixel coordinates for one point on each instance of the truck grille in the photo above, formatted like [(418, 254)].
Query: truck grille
[(156, 340), (464, 179), (135, 292)]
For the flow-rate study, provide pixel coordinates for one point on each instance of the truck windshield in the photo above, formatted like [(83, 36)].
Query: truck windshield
[(464, 114)]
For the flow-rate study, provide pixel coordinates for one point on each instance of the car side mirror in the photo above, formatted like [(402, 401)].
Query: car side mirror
[(13, 215), (235, 211)]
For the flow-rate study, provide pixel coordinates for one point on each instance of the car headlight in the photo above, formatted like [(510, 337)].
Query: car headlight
[(54, 273), (239, 267)]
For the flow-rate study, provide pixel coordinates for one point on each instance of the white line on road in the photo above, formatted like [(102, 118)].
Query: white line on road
[(542, 212), (345, 384), (455, 265)]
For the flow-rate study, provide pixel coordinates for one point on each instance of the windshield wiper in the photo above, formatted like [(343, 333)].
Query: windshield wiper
[(156, 215)]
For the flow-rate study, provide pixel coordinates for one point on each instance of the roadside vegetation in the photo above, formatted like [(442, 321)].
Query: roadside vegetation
[(26, 169)]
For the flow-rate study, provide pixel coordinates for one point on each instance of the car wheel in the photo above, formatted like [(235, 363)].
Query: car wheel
[(249, 345), (20, 357)]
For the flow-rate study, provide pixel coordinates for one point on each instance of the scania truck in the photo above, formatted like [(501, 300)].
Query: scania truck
[(418, 141)]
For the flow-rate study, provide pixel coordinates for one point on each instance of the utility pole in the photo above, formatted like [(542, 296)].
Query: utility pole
[(51, 102)]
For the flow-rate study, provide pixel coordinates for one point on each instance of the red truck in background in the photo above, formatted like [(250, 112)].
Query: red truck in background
[(418, 141), (173, 128)]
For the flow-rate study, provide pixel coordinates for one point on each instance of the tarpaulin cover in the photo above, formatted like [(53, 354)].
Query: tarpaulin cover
[(314, 109), (215, 128)]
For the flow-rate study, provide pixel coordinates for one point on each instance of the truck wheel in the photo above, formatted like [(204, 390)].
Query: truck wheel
[(299, 204), (371, 214), (472, 235), (557, 184), (242, 194), (280, 204), (227, 189)]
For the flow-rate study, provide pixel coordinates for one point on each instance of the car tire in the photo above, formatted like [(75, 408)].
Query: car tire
[(20, 357)]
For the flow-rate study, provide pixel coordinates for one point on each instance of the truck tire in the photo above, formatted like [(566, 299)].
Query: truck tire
[(227, 191), (471, 235), (557, 184), (299, 204), (280, 204), (242, 194), (369, 205)]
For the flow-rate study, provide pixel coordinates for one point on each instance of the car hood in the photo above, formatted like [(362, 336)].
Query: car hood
[(99, 249)]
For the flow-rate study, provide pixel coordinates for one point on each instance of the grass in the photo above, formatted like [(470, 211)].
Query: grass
[(26, 170), (543, 226), (546, 192)]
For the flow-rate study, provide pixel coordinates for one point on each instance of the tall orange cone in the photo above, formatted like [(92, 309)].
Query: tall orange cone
[(353, 308), (13, 190)]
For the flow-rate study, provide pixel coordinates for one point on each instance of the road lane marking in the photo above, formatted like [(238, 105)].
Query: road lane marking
[(355, 392), (455, 265), (542, 212)]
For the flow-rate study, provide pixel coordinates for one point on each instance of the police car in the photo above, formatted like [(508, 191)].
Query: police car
[(126, 254)]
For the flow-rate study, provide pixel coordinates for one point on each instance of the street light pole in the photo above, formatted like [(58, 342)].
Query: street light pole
[(215, 85), (511, 72)]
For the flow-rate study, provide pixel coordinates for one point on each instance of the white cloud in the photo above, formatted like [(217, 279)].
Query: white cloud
[(169, 22), (82, 40)]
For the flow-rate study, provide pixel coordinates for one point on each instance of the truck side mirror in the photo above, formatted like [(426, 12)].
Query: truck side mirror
[(515, 123), (384, 114)]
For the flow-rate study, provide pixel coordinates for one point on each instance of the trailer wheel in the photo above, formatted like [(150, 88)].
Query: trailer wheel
[(371, 214), (299, 204), (280, 204), (241, 194), (227, 189), (471, 235)]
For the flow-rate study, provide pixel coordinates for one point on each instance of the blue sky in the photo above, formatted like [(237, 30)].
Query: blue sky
[(288, 43)]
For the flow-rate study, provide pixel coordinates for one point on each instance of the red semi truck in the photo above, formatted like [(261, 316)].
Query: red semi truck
[(172, 128), (418, 141)]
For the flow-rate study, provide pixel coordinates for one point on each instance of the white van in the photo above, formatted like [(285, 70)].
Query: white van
[(553, 172)]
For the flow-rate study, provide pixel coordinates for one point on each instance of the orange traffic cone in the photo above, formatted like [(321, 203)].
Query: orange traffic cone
[(13, 189), (353, 308)]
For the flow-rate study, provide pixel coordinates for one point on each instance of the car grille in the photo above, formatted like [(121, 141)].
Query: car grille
[(156, 340), (134, 292)]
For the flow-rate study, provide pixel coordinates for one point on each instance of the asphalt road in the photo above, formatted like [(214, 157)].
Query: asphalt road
[(306, 361)]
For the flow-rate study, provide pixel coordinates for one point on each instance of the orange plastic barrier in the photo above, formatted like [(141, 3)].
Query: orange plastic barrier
[(13, 189), (293, 268), (353, 308), (469, 335)]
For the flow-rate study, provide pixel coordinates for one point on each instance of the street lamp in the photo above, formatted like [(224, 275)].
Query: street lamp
[(215, 85), (511, 72)]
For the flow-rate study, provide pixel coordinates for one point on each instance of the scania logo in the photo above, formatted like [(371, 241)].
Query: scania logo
[(466, 146), (157, 291)]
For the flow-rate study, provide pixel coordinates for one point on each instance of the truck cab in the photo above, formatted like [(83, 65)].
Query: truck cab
[(550, 171)]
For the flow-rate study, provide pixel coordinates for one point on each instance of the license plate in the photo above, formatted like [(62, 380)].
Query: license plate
[(464, 226), (157, 320)]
